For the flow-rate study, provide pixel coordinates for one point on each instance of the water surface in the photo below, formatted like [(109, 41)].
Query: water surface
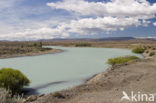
[(53, 72)]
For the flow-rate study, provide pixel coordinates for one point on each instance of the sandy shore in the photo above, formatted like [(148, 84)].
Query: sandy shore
[(107, 87), (32, 53)]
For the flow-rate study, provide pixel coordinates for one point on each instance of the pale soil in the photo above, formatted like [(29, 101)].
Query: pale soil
[(107, 87), (31, 53)]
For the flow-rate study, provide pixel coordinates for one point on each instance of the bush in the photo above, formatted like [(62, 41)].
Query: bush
[(147, 51), (83, 45), (152, 53), (153, 48), (13, 80), (121, 60), (58, 95), (138, 50)]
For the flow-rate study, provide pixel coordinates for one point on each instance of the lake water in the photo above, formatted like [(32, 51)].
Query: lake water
[(53, 72)]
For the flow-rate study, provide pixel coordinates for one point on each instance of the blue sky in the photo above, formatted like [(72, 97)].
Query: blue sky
[(48, 19)]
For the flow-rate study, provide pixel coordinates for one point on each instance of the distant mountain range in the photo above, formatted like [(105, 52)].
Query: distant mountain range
[(91, 39), (97, 39)]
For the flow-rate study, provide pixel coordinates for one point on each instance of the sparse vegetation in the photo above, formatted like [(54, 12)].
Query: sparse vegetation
[(138, 50), (58, 95), (6, 97), (147, 51), (83, 45), (8, 49), (152, 54), (13, 80), (121, 60)]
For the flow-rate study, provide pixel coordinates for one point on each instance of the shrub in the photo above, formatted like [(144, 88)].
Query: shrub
[(147, 51), (152, 53), (153, 48), (121, 60), (13, 80), (138, 50), (58, 95), (83, 45)]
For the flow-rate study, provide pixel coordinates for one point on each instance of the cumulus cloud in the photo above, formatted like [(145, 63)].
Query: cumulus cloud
[(35, 34), (90, 25), (111, 16), (83, 27), (154, 23), (93, 18), (134, 8)]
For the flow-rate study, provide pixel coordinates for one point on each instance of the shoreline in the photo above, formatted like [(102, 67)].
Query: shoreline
[(105, 82), (53, 51)]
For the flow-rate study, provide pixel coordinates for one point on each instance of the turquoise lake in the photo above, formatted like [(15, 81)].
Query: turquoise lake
[(53, 72)]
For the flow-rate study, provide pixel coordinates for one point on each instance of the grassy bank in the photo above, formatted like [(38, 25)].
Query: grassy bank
[(83, 44), (121, 60)]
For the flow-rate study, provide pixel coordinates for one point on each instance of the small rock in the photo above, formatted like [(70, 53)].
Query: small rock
[(24, 101), (31, 98), (138, 80)]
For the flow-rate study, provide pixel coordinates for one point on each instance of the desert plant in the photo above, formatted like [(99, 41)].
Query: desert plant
[(13, 79), (121, 60), (147, 51), (6, 97), (153, 48), (58, 95), (138, 50), (152, 53)]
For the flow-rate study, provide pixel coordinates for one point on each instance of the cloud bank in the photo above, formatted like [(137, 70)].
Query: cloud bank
[(154, 23), (93, 18)]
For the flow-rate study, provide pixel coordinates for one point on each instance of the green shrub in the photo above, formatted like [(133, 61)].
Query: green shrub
[(121, 60), (13, 80), (152, 53), (83, 45), (138, 50)]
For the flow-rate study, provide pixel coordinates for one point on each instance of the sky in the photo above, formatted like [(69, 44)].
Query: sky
[(49, 19)]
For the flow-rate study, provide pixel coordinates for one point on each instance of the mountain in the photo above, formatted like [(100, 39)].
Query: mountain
[(91, 39)]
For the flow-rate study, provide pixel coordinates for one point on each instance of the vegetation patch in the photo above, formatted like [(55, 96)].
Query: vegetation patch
[(121, 60), (152, 54), (58, 95), (13, 80), (83, 45), (15, 48), (138, 50), (6, 97)]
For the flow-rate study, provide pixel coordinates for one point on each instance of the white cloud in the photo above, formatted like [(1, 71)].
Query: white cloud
[(90, 25), (133, 8), (93, 18), (87, 26), (154, 23), (7, 3), (35, 34), (111, 16)]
